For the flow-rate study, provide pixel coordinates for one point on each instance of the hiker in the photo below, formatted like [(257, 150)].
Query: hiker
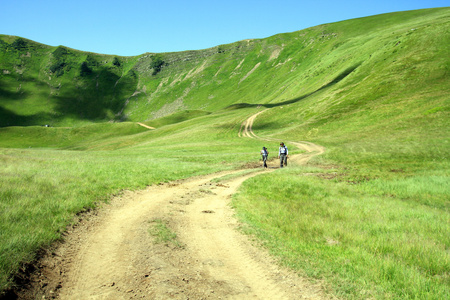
[(264, 154), (283, 154)]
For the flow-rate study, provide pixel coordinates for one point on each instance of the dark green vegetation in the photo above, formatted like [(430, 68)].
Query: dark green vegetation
[(370, 217)]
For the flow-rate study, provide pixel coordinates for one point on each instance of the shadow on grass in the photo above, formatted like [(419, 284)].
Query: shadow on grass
[(103, 97), (340, 77)]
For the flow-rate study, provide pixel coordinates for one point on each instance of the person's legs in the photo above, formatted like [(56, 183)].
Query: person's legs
[(282, 158)]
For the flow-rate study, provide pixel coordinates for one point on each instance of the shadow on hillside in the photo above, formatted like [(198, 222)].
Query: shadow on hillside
[(9, 117), (102, 97), (340, 77), (99, 96), (8, 95), (15, 87)]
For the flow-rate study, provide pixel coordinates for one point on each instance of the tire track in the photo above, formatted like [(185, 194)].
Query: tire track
[(246, 130), (230, 257), (113, 256), (246, 127), (146, 126)]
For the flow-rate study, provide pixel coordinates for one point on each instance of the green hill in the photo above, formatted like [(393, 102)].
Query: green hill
[(374, 91), (65, 87)]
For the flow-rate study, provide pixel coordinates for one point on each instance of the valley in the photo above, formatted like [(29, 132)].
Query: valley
[(125, 177)]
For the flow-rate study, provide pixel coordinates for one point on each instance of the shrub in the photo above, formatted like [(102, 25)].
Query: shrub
[(84, 69), (91, 61), (60, 52), (116, 62), (58, 68), (19, 44), (156, 64)]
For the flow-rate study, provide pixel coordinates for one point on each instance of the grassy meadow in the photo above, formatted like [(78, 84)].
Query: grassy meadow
[(369, 219), (49, 175)]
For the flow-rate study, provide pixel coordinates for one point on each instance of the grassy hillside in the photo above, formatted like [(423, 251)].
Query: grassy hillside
[(371, 215), (64, 87)]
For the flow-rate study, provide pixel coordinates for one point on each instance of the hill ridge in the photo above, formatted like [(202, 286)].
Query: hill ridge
[(64, 87)]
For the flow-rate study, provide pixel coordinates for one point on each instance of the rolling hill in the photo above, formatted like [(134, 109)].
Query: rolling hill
[(351, 63), (373, 91)]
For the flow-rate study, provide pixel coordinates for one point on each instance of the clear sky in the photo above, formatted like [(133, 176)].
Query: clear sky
[(135, 27)]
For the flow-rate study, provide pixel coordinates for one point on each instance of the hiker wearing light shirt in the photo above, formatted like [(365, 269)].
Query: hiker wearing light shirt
[(264, 154), (283, 155)]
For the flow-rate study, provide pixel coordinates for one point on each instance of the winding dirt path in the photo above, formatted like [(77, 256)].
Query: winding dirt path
[(310, 149), (112, 255), (146, 126)]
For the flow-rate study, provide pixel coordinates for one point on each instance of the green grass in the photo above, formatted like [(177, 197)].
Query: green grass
[(45, 184), (374, 239), (369, 218), (163, 234), (393, 48), (42, 190), (66, 137)]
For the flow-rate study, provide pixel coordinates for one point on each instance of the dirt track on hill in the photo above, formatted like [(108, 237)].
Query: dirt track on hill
[(146, 126), (112, 255)]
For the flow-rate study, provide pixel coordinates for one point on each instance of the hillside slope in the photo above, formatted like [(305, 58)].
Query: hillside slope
[(369, 217), (361, 59)]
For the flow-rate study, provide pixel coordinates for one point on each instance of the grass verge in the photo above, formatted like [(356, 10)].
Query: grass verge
[(378, 238)]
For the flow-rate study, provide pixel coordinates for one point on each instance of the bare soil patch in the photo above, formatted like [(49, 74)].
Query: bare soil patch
[(110, 253)]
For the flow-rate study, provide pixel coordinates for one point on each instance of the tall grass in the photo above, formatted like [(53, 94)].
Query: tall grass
[(374, 239), (373, 91), (42, 189)]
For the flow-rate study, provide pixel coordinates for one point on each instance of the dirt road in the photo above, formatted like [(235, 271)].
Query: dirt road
[(112, 255), (146, 126)]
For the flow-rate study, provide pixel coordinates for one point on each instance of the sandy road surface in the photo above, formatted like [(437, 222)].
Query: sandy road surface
[(146, 126), (112, 255)]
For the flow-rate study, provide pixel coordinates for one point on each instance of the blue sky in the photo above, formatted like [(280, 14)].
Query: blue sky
[(135, 27)]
